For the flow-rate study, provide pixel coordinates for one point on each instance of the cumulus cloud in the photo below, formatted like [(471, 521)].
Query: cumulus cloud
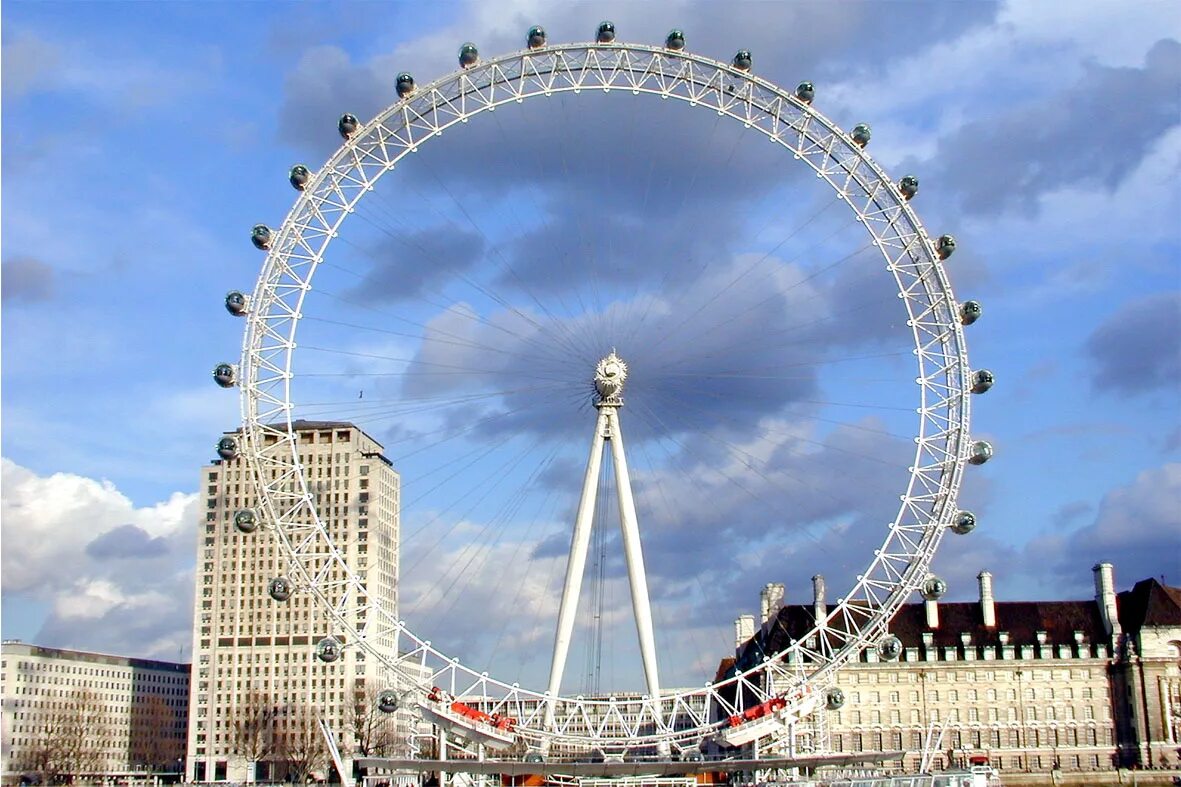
[(1137, 349), (328, 81), (117, 577), (1007, 162), (26, 280), (127, 541), (1136, 528)]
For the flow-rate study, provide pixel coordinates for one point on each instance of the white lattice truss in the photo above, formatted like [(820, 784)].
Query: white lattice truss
[(941, 445)]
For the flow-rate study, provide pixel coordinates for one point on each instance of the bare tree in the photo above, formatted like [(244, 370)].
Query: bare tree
[(157, 738), (73, 737), (375, 733), (299, 743), (92, 731), (252, 728)]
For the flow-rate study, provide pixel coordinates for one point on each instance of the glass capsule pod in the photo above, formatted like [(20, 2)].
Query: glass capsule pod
[(861, 134), (606, 32), (223, 375), (227, 448), (534, 756), (970, 312), (692, 755), (945, 246), (675, 40), (404, 84), (468, 55), (964, 523), (298, 177), (980, 452), (387, 700), (328, 650), (934, 588), (982, 380), (348, 125), (236, 303), (260, 236), (834, 699), (245, 520), (889, 647), (742, 60), (805, 92), (280, 589), (909, 186), (536, 37)]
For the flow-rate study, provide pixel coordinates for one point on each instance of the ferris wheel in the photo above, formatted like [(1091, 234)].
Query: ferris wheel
[(519, 716)]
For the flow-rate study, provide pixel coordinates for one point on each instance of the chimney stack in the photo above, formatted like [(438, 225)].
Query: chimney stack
[(1105, 597), (772, 600), (744, 629), (931, 607), (819, 607), (987, 603)]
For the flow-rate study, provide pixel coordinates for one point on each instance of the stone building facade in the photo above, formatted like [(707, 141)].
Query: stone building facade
[(69, 712), (1029, 685), (257, 686)]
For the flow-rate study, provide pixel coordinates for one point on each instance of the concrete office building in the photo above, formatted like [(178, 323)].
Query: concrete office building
[(69, 713), (257, 686)]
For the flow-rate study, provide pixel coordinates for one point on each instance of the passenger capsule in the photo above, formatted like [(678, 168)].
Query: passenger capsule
[(805, 92), (861, 134), (834, 699), (280, 588), (536, 37), (945, 246), (742, 60), (980, 452), (404, 84), (606, 32), (909, 186), (970, 312), (534, 756), (934, 588), (675, 40), (348, 125), (236, 303), (964, 523), (889, 647), (245, 520), (692, 755), (227, 448), (468, 55), (387, 700), (298, 176), (328, 650), (982, 380), (260, 236), (223, 375)]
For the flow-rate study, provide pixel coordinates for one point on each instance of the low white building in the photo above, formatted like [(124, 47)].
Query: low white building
[(1080, 685), (73, 712)]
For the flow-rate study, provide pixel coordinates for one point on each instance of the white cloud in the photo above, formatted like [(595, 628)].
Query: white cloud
[(134, 600), (89, 600)]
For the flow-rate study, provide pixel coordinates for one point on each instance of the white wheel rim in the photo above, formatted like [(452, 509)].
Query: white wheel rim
[(927, 506)]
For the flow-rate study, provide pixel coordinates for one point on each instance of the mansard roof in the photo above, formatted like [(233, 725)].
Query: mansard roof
[(1022, 620), (1149, 603)]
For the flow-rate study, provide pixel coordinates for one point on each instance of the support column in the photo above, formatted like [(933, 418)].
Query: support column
[(636, 575), (609, 378), (576, 564)]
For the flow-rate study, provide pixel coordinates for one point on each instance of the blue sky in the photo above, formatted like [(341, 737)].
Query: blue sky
[(141, 142)]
